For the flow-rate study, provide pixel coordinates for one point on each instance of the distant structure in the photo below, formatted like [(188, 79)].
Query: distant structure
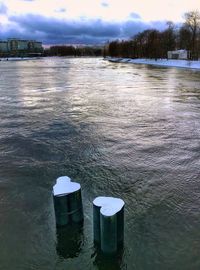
[(179, 54), (20, 47)]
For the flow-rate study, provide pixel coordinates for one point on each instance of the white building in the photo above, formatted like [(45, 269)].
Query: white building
[(178, 54)]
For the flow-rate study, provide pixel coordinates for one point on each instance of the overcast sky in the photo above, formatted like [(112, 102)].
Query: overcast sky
[(87, 21)]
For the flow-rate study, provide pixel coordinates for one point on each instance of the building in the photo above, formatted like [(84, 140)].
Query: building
[(3, 46), (178, 54), (14, 46)]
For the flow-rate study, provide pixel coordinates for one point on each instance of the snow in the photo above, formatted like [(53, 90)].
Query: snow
[(63, 179), (64, 186), (17, 58), (160, 62), (109, 205)]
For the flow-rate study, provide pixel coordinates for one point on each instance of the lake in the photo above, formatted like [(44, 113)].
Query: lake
[(123, 130)]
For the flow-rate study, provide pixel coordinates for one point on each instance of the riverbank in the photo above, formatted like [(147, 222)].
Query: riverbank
[(18, 58), (160, 62)]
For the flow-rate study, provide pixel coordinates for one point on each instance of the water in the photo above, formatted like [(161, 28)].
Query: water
[(130, 131)]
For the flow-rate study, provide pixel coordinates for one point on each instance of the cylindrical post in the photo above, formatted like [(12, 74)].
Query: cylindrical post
[(120, 228), (108, 233), (108, 223), (61, 210), (96, 224), (67, 201), (75, 206)]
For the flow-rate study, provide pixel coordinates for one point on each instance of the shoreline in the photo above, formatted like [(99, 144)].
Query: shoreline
[(189, 64), (5, 59)]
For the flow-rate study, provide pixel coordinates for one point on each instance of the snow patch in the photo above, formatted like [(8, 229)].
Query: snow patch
[(64, 186), (109, 205), (159, 62), (18, 58)]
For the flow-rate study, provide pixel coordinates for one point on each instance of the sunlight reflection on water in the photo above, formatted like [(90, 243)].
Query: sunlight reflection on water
[(119, 129)]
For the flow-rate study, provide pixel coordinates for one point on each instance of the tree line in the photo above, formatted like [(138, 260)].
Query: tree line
[(155, 44), (64, 50)]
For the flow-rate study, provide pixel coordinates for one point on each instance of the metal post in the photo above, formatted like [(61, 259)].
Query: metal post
[(96, 223), (108, 223), (67, 201)]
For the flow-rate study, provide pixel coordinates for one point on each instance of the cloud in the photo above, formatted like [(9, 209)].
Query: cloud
[(3, 8), (134, 15), (60, 10), (83, 31), (104, 4)]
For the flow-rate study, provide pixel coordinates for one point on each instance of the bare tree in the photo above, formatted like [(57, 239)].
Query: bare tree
[(192, 22), (152, 43), (168, 39)]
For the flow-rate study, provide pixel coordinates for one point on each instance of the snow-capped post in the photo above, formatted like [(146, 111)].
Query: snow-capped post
[(108, 223), (67, 201)]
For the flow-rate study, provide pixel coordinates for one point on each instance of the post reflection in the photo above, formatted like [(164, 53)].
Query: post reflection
[(69, 240), (109, 262)]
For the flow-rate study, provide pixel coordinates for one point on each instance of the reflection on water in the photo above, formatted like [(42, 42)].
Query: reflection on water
[(129, 131), (70, 240), (109, 262)]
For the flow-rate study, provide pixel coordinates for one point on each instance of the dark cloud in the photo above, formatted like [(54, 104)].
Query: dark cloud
[(3, 8), (160, 25), (134, 15), (60, 10), (130, 28), (84, 31), (104, 4)]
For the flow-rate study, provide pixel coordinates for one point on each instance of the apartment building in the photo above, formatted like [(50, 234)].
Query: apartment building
[(17, 46)]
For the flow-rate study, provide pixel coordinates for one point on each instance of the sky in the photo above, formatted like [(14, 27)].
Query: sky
[(87, 21)]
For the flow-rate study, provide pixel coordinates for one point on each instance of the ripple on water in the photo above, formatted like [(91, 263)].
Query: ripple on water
[(121, 130)]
